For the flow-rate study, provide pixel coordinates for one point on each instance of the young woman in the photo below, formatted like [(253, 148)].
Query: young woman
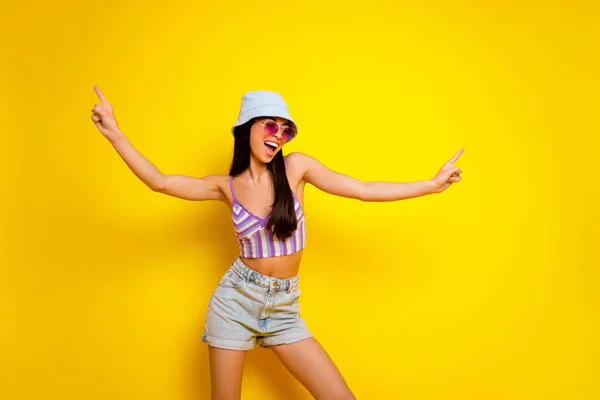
[(256, 301)]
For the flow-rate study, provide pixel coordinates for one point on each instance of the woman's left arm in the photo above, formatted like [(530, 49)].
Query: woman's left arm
[(318, 175)]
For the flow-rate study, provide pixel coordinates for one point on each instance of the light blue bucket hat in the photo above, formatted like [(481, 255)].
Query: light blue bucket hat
[(264, 103)]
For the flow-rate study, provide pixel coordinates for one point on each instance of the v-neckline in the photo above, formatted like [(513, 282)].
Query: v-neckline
[(262, 221)]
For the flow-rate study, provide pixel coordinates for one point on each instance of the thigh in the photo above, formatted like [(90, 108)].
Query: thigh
[(226, 370), (308, 361)]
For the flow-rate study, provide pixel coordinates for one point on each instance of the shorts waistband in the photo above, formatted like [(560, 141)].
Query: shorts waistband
[(256, 277)]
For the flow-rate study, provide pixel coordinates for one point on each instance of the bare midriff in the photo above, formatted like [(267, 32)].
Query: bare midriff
[(282, 267)]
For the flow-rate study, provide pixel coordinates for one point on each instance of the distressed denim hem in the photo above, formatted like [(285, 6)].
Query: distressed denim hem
[(275, 341), (227, 344)]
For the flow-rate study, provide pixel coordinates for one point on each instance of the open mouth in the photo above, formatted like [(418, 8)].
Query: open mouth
[(270, 147)]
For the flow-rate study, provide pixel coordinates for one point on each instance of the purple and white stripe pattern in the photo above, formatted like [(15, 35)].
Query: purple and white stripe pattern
[(256, 241)]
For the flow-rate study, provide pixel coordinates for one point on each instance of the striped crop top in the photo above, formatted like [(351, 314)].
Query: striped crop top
[(256, 241)]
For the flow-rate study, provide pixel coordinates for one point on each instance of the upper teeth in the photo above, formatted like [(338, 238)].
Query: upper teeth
[(271, 143)]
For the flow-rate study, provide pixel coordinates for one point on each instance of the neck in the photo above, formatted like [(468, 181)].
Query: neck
[(257, 169)]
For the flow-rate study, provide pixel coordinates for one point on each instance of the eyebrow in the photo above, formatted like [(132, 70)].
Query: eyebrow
[(285, 123)]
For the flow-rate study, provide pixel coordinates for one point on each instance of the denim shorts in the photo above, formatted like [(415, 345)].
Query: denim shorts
[(248, 307)]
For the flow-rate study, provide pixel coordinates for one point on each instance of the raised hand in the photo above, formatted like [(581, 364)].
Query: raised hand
[(449, 174), (104, 116)]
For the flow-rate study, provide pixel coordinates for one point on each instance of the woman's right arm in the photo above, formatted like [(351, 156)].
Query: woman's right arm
[(181, 186)]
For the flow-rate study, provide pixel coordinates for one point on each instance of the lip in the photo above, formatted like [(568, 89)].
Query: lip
[(269, 151)]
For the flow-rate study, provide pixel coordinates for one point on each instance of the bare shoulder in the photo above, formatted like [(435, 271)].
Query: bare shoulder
[(298, 163), (220, 181)]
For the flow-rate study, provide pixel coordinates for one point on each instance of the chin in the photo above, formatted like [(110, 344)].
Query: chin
[(263, 158), (269, 158)]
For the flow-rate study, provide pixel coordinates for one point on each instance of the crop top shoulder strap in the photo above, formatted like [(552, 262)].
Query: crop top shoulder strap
[(232, 188)]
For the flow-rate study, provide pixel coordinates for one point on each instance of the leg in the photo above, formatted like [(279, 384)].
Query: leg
[(310, 364), (226, 370)]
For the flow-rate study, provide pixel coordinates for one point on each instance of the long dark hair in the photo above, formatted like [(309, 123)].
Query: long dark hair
[(283, 220)]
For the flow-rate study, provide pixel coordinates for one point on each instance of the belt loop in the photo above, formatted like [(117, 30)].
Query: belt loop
[(239, 268), (293, 283), (246, 273)]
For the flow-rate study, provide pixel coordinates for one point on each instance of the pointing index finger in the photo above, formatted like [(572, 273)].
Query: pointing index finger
[(100, 95), (453, 159)]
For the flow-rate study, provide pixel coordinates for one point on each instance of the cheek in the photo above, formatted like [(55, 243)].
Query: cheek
[(256, 138), (257, 144)]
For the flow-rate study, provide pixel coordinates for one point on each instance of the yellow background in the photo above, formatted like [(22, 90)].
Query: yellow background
[(486, 291)]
